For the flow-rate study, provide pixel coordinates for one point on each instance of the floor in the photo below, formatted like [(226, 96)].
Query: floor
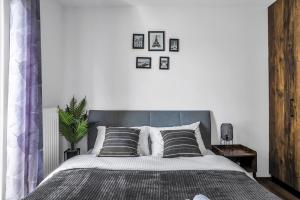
[(278, 190)]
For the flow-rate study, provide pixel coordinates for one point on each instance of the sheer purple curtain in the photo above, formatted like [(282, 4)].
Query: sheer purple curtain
[(24, 134)]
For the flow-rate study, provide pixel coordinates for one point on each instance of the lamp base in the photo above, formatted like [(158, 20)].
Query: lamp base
[(226, 142)]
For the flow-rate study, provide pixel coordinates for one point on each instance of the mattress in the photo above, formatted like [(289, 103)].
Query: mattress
[(90, 177)]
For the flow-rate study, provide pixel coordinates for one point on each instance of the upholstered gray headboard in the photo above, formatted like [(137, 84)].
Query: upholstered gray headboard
[(118, 118)]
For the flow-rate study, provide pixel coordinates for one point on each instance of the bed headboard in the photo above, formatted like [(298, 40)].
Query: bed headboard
[(118, 118)]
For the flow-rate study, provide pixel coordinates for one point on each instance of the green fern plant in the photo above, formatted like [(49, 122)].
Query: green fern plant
[(73, 121)]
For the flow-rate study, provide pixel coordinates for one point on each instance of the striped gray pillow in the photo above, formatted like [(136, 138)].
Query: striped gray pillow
[(120, 142), (180, 143)]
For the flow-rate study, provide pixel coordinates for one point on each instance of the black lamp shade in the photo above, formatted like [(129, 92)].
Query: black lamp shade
[(227, 132)]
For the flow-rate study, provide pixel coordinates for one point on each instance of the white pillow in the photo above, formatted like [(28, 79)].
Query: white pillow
[(99, 140), (143, 145), (158, 142)]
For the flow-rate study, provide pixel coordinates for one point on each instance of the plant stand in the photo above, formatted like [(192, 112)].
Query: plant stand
[(71, 153)]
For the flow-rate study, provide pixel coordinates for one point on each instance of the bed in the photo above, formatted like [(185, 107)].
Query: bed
[(149, 177)]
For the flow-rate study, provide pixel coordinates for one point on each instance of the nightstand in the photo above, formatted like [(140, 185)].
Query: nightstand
[(244, 156)]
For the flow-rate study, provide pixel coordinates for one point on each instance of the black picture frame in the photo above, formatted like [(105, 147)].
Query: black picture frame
[(173, 42), (134, 44), (159, 41), (162, 64), (143, 66)]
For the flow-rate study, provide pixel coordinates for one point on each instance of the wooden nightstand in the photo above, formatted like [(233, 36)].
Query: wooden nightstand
[(245, 157)]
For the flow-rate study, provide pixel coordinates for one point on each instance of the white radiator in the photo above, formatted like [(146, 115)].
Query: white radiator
[(50, 140)]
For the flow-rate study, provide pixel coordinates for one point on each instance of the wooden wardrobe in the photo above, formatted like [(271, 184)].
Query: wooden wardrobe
[(284, 92)]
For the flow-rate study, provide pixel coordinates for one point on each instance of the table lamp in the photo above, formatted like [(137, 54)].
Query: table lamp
[(226, 133)]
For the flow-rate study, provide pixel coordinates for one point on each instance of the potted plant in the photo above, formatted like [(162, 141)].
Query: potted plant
[(73, 124)]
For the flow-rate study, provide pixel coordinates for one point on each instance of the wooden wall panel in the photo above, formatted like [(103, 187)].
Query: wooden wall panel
[(284, 92)]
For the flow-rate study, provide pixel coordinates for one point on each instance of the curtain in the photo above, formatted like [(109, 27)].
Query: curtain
[(24, 126)]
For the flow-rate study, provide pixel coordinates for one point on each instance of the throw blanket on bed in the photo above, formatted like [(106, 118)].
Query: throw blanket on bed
[(98, 184)]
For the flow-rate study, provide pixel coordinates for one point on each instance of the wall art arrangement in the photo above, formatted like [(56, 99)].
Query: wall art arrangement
[(156, 42)]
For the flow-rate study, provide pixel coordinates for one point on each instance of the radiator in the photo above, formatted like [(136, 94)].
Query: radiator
[(50, 140)]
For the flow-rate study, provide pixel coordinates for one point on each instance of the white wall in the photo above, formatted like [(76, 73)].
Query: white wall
[(52, 29), (52, 52), (222, 65)]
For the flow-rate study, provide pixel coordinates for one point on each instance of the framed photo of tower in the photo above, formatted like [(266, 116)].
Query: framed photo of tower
[(174, 45), (156, 40)]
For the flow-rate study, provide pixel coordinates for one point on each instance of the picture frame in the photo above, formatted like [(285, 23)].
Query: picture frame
[(138, 41), (143, 62), (156, 40), (164, 63), (174, 45)]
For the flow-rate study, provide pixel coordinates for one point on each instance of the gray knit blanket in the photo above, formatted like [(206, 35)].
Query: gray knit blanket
[(98, 184)]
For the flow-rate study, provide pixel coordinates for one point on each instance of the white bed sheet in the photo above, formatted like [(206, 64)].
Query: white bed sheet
[(150, 163)]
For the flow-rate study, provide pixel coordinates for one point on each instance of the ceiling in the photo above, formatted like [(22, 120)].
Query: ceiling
[(219, 3)]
